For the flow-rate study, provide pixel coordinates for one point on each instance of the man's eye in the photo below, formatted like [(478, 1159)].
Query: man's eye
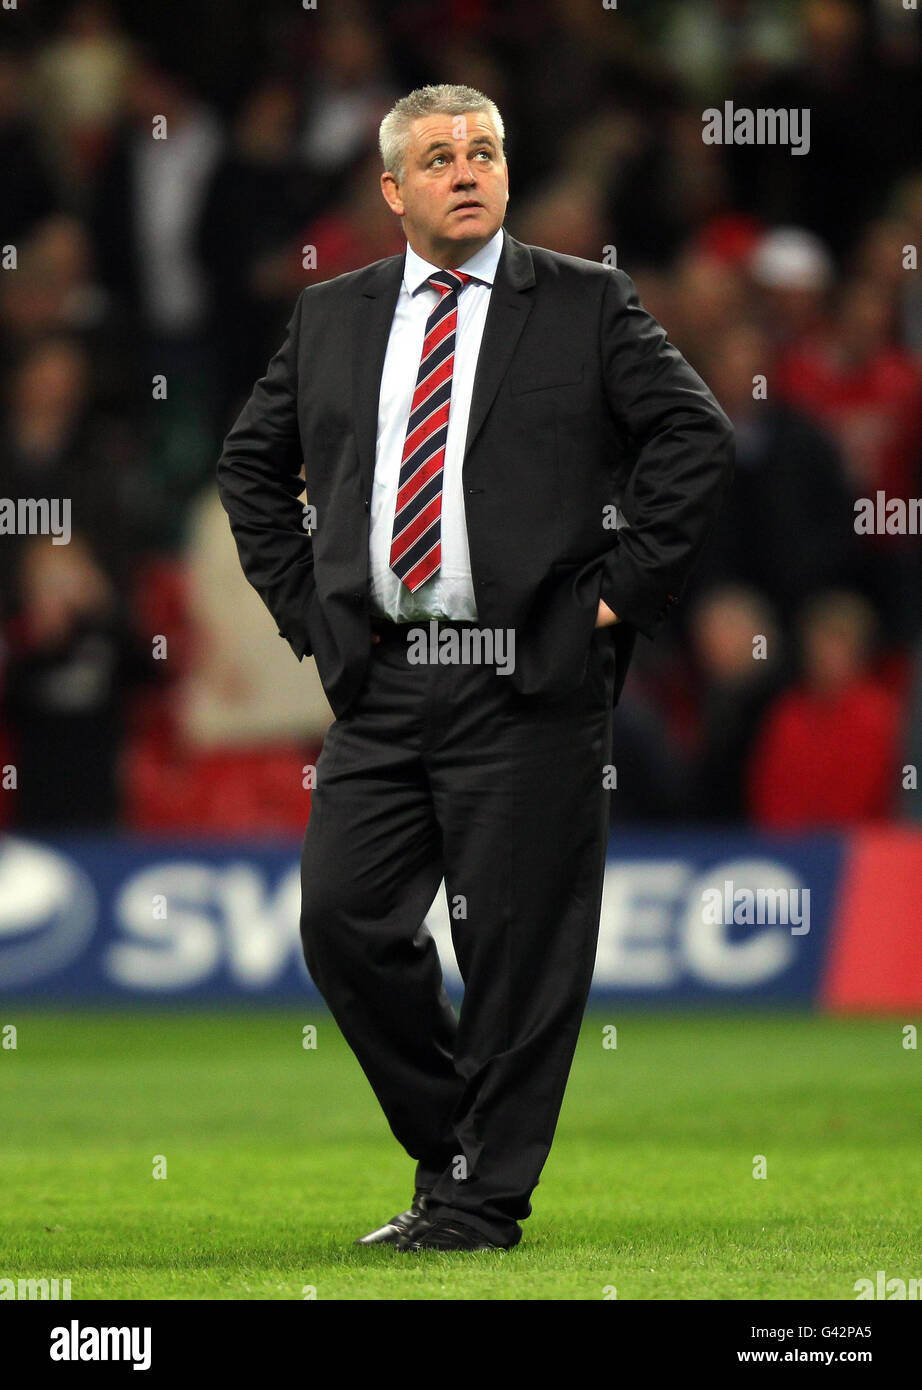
[(441, 157)]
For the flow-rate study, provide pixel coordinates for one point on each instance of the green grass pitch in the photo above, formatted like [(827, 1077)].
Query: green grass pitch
[(277, 1157)]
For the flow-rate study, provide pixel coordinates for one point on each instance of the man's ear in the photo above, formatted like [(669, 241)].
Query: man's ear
[(389, 183)]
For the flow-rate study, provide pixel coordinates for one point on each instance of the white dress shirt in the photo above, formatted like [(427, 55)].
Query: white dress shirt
[(449, 593)]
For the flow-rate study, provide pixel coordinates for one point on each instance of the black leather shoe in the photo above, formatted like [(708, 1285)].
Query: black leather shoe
[(398, 1226), (444, 1235)]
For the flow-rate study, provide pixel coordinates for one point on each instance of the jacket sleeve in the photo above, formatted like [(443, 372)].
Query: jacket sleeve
[(683, 446), (259, 484)]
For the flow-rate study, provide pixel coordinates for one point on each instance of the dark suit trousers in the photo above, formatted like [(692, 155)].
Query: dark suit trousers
[(445, 770)]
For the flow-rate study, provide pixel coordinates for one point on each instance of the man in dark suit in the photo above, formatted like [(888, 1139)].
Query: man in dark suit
[(509, 472)]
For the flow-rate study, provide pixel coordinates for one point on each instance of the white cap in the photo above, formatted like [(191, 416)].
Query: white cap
[(790, 258)]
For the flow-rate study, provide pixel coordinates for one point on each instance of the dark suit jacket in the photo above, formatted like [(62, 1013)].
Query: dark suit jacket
[(579, 402)]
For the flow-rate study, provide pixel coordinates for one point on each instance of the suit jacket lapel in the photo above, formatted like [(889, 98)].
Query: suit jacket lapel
[(506, 317), (373, 312)]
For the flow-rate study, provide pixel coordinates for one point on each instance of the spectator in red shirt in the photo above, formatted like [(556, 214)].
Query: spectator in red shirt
[(827, 752), (865, 389)]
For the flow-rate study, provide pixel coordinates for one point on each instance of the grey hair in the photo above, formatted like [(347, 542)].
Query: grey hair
[(447, 99)]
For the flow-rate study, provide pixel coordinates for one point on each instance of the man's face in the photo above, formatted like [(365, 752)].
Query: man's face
[(451, 161)]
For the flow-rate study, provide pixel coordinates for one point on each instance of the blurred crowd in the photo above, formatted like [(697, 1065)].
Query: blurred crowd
[(145, 283)]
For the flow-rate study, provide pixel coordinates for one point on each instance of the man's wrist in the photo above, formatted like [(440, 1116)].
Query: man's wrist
[(606, 617)]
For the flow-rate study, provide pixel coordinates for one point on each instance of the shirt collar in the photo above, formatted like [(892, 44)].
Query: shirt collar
[(482, 265)]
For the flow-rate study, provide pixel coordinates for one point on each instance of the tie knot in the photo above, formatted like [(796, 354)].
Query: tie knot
[(450, 280)]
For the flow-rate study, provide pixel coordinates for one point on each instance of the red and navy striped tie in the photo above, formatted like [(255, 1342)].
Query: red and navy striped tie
[(416, 547)]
